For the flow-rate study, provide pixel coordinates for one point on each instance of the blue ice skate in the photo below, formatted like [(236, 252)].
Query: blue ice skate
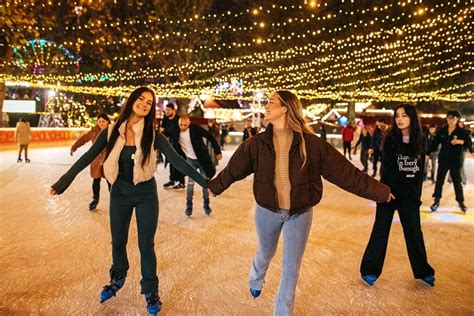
[(255, 293), (369, 279), (110, 290), (153, 303)]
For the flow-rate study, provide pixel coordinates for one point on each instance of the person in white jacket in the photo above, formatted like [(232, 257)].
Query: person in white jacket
[(129, 165), (23, 137)]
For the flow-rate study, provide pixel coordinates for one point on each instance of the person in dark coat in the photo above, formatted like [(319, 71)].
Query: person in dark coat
[(454, 140), (375, 149), (322, 131), (170, 128), (249, 131), (197, 154)]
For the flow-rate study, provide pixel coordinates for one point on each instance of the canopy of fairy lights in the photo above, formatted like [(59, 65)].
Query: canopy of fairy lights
[(404, 51)]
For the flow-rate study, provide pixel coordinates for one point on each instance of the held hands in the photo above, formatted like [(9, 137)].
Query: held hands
[(371, 151), (209, 190), (52, 191), (457, 142), (219, 157), (390, 197)]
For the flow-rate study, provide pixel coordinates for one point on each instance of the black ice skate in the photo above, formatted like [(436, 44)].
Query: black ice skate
[(435, 205), (93, 204)]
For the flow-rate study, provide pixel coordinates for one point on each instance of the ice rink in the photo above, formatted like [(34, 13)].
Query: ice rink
[(55, 254)]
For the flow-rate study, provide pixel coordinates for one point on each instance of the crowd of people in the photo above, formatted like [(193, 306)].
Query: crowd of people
[(288, 161)]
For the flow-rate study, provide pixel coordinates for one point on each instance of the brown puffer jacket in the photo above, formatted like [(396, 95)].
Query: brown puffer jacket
[(97, 169), (257, 155)]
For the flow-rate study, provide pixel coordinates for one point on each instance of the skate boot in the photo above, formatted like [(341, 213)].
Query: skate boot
[(27, 160), (153, 303), (168, 185), (369, 279), (93, 204), (19, 159), (189, 211), (207, 209), (255, 293), (435, 205), (430, 279), (110, 290), (463, 207)]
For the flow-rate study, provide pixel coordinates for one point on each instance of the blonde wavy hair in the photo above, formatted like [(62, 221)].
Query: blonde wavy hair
[(295, 118)]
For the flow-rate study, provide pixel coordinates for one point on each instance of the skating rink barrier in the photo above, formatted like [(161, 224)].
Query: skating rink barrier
[(44, 134)]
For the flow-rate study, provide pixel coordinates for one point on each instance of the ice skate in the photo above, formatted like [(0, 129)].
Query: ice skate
[(153, 303), (111, 289)]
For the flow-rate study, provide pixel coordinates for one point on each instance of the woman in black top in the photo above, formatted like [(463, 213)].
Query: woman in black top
[(402, 170), (129, 166)]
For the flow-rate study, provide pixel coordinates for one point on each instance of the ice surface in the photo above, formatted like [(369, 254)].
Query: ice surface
[(55, 254)]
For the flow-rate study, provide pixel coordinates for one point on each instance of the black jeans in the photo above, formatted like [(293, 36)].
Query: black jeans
[(456, 177), (124, 197), (374, 256), (364, 157), (347, 146), (96, 188), (176, 175)]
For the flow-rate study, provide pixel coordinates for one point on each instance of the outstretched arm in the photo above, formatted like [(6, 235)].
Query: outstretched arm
[(338, 170), (65, 181), (162, 144), (239, 166), (82, 140)]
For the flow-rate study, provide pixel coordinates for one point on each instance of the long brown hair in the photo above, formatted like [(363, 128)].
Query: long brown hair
[(148, 128), (295, 118)]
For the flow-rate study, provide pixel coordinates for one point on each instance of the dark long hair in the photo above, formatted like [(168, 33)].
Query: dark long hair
[(148, 128), (416, 134), (104, 116)]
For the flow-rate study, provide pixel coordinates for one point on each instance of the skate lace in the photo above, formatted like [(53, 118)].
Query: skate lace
[(114, 286), (152, 299)]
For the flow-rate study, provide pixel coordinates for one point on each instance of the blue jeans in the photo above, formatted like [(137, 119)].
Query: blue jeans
[(190, 187), (296, 229)]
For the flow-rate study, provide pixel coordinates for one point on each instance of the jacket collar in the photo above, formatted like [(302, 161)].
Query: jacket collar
[(268, 136), (137, 127)]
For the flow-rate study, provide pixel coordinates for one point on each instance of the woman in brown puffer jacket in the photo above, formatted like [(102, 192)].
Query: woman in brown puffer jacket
[(97, 170), (288, 161), (23, 137)]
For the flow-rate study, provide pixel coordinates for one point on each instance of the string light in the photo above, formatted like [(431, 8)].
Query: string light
[(348, 63)]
